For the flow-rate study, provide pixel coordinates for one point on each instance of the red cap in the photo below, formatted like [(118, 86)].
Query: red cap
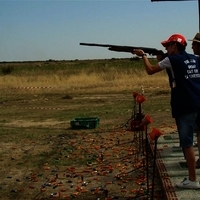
[(175, 38)]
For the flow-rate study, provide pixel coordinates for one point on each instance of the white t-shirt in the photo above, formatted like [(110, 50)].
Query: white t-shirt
[(165, 63)]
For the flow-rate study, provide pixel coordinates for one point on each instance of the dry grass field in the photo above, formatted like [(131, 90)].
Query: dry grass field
[(42, 157)]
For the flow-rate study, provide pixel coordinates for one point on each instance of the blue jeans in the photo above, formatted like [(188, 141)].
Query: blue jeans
[(185, 125), (197, 126)]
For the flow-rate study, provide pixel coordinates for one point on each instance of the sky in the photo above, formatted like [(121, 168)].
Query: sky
[(39, 30)]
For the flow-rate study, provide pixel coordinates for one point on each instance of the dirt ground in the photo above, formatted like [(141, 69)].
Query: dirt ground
[(108, 162)]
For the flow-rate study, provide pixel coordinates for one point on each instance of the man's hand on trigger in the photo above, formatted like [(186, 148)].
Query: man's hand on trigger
[(161, 55)]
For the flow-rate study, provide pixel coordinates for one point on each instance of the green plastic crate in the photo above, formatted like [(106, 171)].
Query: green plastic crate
[(85, 123)]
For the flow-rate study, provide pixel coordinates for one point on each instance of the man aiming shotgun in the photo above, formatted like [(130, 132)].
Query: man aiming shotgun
[(184, 76)]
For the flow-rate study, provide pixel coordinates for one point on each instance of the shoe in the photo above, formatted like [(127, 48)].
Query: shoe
[(198, 163), (187, 184)]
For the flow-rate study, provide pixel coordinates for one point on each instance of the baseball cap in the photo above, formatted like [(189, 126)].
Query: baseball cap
[(196, 38), (175, 38)]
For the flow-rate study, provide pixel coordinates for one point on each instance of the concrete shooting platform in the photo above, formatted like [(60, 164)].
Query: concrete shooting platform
[(172, 167)]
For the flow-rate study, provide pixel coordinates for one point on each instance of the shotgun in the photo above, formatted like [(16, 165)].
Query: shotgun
[(129, 49)]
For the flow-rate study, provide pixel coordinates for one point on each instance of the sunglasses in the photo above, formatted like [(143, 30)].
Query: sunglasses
[(170, 44)]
